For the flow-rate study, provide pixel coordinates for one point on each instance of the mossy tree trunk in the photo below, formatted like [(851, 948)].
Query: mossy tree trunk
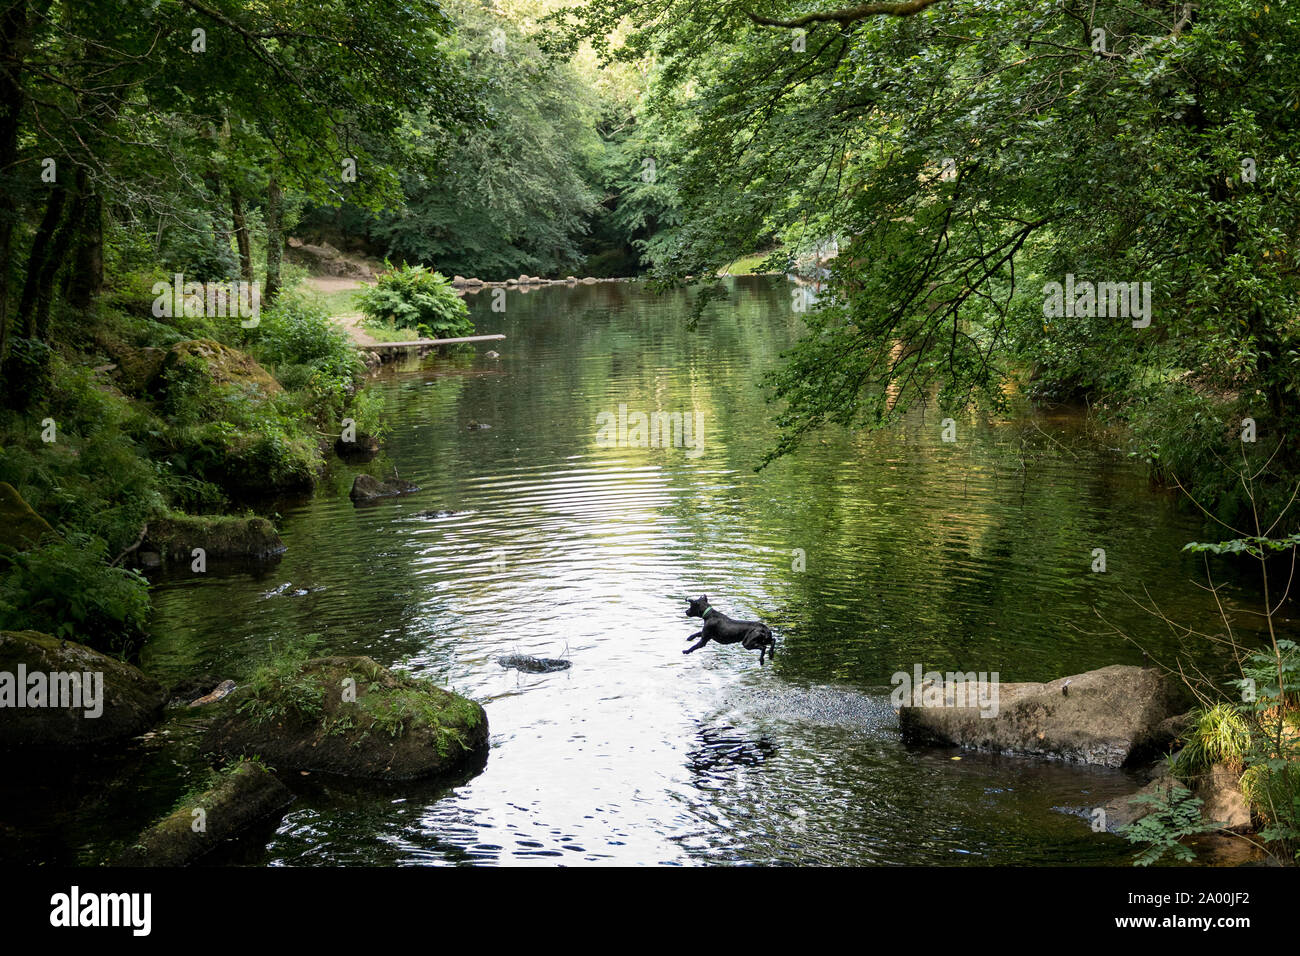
[(241, 235), (274, 239)]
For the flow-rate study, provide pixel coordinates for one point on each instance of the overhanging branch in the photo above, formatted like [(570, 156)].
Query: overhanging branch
[(847, 15)]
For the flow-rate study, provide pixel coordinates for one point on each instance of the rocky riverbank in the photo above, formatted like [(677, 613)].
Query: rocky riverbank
[(1118, 716)]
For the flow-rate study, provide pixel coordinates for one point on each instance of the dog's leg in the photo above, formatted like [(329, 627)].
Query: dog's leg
[(694, 636), (696, 647)]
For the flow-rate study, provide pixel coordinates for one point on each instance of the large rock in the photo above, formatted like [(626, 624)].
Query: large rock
[(349, 716), (122, 701), (1106, 717), (1220, 789), (138, 367), (242, 796), (221, 364), (368, 488), (20, 526), (174, 538)]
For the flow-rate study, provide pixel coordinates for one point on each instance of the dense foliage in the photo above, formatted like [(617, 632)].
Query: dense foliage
[(411, 297), (965, 155)]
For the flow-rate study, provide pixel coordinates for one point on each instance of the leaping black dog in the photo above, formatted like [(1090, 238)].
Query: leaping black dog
[(718, 627)]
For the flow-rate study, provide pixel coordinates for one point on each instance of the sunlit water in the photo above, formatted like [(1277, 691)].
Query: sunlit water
[(971, 555)]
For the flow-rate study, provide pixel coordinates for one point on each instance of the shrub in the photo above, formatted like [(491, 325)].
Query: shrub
[(67, 589), (413, 297), (308, 354)]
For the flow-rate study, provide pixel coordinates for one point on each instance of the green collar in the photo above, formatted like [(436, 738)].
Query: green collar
[(706, 612)]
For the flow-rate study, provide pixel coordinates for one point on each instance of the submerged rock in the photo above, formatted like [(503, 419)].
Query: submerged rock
[(364, 448), (349, 716), (20, 526), (1108, 717), (242, 796), (108, 701), (368, 488), (174, 538), (534, 665)]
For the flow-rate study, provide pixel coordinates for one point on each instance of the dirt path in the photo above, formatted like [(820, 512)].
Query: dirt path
[(348, 321)]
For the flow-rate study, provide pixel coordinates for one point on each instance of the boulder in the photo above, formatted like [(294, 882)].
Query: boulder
[(137, 368), (364, 448), (243, 795), (1107, 717), (1122, 811), (174, 538), (368, 488), (1220, 789), (349, 716), (115, 702), (221, 364), (20, 526)]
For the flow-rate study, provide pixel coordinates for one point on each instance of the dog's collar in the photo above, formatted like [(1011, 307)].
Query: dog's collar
[(706, 612)]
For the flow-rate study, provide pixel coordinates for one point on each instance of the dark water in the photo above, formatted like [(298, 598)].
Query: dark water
[(973, 555)]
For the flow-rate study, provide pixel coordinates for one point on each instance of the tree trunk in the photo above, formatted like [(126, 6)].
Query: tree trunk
[(241, 236), (42, 248), (274, 240), (62, 223), (13, 33), (87, 279)]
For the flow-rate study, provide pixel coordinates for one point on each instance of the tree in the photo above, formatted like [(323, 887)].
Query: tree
[(968, 156)]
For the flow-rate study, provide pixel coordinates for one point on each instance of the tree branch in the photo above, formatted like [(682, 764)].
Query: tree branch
[(847, 15)]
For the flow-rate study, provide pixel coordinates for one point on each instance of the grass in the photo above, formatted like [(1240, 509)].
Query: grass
[(746, 265), (339, 302)]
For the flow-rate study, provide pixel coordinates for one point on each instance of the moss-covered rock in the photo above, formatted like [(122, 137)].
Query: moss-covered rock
[(221, 364), (137, 368), (174, 538), (242, 796), (349, 716), (115, 703), (20, 526), (370, 488)]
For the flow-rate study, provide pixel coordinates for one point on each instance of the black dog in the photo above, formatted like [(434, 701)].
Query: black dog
[(718, 627)]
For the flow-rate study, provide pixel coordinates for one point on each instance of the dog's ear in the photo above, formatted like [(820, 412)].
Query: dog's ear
[(704, 598)]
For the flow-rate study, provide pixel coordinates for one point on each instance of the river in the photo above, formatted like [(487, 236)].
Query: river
[(867, 553)]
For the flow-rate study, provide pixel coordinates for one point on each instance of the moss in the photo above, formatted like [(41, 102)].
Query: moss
[(230, 801), (175, 536), (221, 364), (349, 715), (137, 368), (20, 526)]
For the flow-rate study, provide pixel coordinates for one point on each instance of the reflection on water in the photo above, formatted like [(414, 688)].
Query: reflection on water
[(973, 555)]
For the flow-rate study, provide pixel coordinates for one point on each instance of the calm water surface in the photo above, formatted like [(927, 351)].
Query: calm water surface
[(973, 555)]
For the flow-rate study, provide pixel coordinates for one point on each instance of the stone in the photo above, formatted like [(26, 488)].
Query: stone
[(1107, 717), (123, 702), (353, 717), (369, 488)]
